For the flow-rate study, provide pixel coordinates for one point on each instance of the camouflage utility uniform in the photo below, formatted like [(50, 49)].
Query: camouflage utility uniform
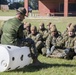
[(68, 43), (52, 41), (42, 30), (36, 37), (27, 30), (65, 33)]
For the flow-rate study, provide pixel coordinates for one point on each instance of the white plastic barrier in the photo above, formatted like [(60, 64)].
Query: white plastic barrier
[(13, 57)]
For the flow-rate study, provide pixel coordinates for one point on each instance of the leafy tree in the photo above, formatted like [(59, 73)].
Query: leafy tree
[(21, 3), (33, 4), (15, 5), (3, 2)]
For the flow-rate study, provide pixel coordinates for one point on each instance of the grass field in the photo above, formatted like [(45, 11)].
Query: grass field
[(50, 66), (8, 13), (13, 12), (60, 22)]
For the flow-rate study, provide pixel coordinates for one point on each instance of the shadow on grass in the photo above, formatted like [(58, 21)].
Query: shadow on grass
[(32, 68)]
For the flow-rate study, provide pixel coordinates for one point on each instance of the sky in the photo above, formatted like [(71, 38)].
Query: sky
[(15, 0)]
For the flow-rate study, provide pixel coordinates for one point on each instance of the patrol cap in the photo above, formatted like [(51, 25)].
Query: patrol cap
[(34, 28), (74, 25), (71, 29), (25, 23), (52, 25), (69, 24), (49, 24), (28, 24), (53, 29), (41, 24), (21, 10)]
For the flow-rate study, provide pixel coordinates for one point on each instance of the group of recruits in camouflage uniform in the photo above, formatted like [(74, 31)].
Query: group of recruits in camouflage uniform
[(52, 43), (47, 41)]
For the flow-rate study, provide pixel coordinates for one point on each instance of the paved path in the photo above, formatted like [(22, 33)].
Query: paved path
[(35, 17), (5, 17)]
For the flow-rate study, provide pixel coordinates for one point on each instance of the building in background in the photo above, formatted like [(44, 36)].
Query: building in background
[(4, 5), (55, 7)]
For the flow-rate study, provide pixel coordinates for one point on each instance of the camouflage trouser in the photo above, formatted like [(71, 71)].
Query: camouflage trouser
[(75, 49), (57, 53), (39, 46), (31, 44), (69, 54), (44, 50), (60, 53)]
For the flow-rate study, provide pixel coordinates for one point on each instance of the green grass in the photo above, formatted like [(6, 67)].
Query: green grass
[(50, 66), (60, 22), (13, 12), (8, 13)]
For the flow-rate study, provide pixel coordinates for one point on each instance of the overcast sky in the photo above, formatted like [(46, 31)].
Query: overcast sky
[(15, 0)]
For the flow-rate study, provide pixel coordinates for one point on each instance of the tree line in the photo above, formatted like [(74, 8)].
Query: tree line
[(14, 4)]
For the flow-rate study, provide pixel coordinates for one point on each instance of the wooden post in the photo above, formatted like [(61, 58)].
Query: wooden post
[(26, 6), (65, 8)]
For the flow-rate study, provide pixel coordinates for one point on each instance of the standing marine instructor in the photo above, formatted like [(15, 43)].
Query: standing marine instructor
[(13, 33)]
